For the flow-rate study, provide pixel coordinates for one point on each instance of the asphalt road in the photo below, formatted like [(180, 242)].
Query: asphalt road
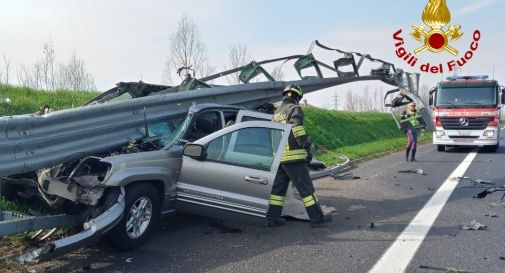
[(384, 197)]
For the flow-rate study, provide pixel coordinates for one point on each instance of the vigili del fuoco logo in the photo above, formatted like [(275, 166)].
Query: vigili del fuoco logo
[(436, 38)]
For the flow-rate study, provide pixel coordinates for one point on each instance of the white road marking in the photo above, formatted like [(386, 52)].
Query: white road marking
[(400, 253)]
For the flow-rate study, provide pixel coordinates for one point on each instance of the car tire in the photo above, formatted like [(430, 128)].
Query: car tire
[(141, 201), (440, 148)]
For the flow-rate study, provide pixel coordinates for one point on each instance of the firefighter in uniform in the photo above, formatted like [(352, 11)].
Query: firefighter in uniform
[(412, 131), (294, 164)]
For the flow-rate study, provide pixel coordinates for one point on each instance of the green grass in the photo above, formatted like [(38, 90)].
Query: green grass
[(29, 101), (6, 205), (355, 135)]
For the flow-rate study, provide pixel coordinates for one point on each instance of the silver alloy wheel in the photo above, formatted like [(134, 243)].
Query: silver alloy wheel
[(139, 217)]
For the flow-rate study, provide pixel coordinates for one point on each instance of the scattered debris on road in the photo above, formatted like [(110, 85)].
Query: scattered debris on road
[(237, 246), (447, 270), (484, 193), (371, 226), (128, 260), (418, 171), (491, 215), (356, 207), (345, 176), (431, 188), (474, 180), (474, 225)]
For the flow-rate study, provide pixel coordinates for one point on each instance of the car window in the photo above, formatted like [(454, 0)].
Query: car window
[(249, 147), (121, 97), (205, 124), (229, 118)]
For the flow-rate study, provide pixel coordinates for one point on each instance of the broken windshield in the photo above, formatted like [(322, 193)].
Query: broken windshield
[(466, 97), (169, 131)]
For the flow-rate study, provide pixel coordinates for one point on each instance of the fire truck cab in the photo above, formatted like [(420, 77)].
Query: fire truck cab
[(466, 112)]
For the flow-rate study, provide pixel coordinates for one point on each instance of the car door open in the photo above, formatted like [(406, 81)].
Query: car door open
[(229, 174)]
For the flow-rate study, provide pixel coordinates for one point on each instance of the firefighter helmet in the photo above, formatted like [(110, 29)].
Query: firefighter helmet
[(293, 88)]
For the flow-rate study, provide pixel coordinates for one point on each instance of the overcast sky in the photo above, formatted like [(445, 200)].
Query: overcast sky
[(128, 40)]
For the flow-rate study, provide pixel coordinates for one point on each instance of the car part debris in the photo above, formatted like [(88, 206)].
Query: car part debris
[(446, 270), (491, 215), (474, 180), (345, 176), (484, 193), (474, 225), (417, 171), (333, 170)]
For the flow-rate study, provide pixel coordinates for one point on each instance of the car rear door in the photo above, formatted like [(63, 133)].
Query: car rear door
[(234, 180)]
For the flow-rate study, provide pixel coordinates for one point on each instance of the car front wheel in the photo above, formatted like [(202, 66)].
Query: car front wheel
[(142, 211)]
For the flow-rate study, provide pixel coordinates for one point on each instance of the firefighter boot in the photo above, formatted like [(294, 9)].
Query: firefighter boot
[(407, 154), (317, 218), (274, 216), (413, 158)]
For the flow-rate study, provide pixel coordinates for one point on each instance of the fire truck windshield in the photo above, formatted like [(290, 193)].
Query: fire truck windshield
[(459, 97)]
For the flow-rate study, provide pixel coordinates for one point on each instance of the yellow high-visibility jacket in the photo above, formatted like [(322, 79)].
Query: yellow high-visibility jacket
[(298, 144)]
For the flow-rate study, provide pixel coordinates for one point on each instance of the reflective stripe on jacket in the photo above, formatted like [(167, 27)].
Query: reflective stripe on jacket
[(298, 143)]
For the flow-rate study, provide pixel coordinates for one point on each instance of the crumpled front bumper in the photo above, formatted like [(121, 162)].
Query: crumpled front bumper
[(93, 230)]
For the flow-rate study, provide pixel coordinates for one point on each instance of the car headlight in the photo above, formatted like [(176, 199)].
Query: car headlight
[(489, 133), (440, 133)]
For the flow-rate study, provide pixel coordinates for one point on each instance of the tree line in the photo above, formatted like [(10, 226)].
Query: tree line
[(47, 74)]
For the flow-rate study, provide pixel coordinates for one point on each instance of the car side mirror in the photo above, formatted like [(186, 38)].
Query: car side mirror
[(195, 151)]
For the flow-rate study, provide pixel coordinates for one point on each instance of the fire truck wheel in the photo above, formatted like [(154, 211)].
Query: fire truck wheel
[(440, 148)]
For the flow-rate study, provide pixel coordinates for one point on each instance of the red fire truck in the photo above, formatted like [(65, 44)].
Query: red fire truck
[(466, 112)]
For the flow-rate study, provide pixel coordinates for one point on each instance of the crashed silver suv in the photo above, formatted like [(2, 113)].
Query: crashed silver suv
[(197, 165)]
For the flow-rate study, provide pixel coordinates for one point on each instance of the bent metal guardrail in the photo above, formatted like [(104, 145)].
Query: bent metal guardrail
[(31, 142)]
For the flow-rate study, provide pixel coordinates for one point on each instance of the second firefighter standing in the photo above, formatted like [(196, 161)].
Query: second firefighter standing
[(412, 131), (294, 164)]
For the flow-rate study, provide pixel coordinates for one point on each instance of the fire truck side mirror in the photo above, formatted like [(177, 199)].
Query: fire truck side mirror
[(432, 91), (503, 96)]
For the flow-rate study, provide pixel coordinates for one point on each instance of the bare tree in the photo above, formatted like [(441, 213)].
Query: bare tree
[(48, 66), (166, 73), (187, 50), (31, 76), (277, 73), (7, 66), (42, 74), (73, 76), (238, 56), (351, 103)]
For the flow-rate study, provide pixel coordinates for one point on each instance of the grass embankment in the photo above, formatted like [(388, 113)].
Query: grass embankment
[(28, 101), (355, 135)]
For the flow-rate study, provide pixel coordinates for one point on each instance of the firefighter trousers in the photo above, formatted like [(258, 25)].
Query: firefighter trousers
[(298, 173)]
